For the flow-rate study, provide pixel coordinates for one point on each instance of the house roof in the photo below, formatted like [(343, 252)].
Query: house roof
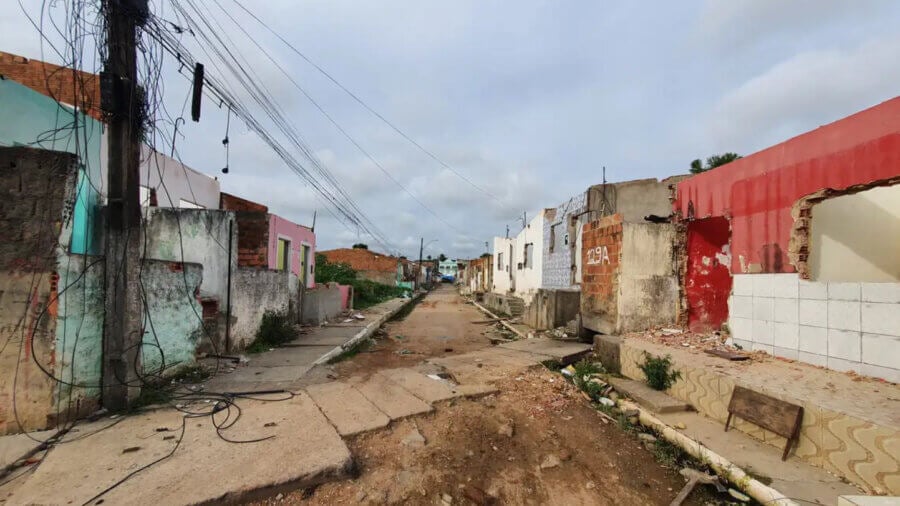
[(362, 259)]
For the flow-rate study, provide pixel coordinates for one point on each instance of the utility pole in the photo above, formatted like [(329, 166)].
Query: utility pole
[(122, 100), (421, 250)]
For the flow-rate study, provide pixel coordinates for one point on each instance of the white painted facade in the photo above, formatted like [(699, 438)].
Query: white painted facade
[(518, 261), (840, 325)]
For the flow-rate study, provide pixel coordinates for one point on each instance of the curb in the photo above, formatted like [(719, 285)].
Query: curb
[(366, 332)]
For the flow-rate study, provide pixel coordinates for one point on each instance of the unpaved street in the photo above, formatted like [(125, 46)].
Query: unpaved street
[(536, 441)]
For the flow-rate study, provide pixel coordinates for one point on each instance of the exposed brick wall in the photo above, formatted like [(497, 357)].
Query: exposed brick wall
[(252, 238), (601, 257), (66, 85), (228, 202)]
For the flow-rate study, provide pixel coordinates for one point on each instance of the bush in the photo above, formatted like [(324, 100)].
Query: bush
[(365, 293), (274, 330), (658, 371)]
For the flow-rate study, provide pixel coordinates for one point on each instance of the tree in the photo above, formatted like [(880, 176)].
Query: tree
[(712, 162), (360, 245), (442, 257), (428, 257)]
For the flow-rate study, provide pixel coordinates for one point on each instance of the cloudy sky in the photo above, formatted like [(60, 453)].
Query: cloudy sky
[(526, 99)]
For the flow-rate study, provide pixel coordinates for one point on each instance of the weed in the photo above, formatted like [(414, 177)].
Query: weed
[(658, 371), (668, 454), (585, 367), (274, 330), (592, 389)]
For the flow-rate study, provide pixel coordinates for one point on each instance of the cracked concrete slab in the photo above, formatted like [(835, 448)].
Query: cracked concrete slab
[(564, 351), (423, 387), (392, 399), (304, 451), (346, 408)]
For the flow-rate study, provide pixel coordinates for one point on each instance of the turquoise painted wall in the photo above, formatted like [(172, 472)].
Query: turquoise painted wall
[(28, 118), (173, 325)]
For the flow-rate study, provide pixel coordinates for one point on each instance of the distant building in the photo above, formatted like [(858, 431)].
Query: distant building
[(371, 265)]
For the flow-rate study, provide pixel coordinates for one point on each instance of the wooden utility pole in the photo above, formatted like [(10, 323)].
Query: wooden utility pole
[(122, 101)]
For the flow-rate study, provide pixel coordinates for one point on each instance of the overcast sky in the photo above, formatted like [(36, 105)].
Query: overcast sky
[(527, 99)]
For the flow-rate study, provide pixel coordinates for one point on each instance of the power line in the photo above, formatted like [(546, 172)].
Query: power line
[(360, 101)]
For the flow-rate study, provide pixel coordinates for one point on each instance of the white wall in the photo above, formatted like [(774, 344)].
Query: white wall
[(839, 325), (857, 237), (529, 279), (501, 276)]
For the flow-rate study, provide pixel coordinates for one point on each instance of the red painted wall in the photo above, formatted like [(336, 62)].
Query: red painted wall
[(757, 191), (708, 279)]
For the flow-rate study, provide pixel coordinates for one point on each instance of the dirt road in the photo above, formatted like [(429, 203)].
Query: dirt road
[(439, 325), (535, 442)]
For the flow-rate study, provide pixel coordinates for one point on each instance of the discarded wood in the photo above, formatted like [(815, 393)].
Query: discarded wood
[(607, 417), (501, 320), (694, 477), (728, 355), (780, 417), (492, 320)]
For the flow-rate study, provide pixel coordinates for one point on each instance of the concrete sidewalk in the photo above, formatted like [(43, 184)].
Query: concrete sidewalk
[(305, 449), (284, 367)]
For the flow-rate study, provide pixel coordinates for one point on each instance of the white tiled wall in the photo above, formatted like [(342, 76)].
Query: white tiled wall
[(843, 326)]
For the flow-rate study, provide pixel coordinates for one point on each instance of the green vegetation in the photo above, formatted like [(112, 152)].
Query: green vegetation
[(360, 245), (712, 162), (274, 330), (658, 371), (353, 350), (365, 293)]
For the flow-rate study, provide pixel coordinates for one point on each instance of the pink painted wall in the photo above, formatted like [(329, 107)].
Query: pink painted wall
[(345, 296), (298, 235)]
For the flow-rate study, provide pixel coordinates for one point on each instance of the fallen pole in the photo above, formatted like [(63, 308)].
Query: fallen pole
[(500, 320), (722, 466)]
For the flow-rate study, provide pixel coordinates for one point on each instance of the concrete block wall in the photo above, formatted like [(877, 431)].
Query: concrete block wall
[(558, 264), (839, 325), (321, 304), (255, 291)]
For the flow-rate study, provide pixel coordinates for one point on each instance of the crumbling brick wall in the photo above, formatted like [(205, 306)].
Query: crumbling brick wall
[(66, 85), (252, 222), (600, 260)]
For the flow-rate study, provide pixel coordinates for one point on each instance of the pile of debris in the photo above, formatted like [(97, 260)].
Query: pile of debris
[(713, 343)]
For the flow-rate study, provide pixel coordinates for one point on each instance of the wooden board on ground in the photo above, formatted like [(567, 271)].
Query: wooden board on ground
[(775, 415), (728, 355)]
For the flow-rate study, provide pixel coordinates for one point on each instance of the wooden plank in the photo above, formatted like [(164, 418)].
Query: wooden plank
[(729, 355), (775, 415)]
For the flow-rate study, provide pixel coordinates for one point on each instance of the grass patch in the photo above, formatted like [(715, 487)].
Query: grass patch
[(274, 330), (357, 348), (405, 310), (658, 371)]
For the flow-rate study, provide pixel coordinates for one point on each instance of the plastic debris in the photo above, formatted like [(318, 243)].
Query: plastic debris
[(568, 371), (607, 402)]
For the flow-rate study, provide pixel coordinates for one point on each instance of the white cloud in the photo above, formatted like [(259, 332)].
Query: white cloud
[(805, 91)]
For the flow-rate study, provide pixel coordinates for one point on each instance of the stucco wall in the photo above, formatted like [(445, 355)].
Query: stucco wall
[(648, 282), (633, 199), (558, 264), (856, 237), (194, 235), (182, 183), (529, 279), (280, 228), (502, 277), (26, 117), (255, 291), (321, 304)]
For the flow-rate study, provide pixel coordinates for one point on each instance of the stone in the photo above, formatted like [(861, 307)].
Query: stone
[(361, 496), (647, 438), (631, 412), (279, 497), (507, 429), (607, 402), (414, 439), (680, 425), (590, 485), (447, 499), (550, 461)]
